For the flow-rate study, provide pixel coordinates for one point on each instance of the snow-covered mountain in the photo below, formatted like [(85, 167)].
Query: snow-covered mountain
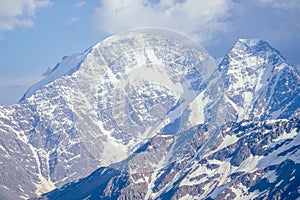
[(245, 160), (104, 107), (257, 83), (97, 107)]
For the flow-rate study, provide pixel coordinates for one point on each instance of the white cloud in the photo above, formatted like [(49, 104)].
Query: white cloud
[(276, 21), (72, 23), (216, 24), (200, 18), (74, 20), (283, 4), (80, 4), (18, 13)]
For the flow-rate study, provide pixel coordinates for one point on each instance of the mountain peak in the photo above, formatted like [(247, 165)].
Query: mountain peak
[(251, 42), (250, 69), (258, 48), (106, 107), (253, 46)]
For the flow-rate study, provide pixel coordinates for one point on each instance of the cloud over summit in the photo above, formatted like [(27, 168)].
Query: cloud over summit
[(200, 18), (209, 22)]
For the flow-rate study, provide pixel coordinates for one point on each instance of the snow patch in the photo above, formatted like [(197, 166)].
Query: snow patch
[(279, 183), (239, 190), (250, 164), (44, 185), (271, 176), (228, 140), (197, 109), (285, 136)]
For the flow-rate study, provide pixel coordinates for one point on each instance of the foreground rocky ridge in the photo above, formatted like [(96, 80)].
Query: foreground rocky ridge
[(97, 108), (237, 160)]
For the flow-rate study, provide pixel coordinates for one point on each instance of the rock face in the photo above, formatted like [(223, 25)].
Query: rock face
[(257, 84), (130, 107), (98, 107), (237, 160)]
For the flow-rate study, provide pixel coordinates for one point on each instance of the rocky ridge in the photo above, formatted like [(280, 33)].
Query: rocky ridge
[(125, 98), (249, 160)]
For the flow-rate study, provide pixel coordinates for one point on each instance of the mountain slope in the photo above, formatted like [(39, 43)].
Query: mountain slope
[(96, 108), (247, 157), (237, 160), (257, 83), (105, 105)]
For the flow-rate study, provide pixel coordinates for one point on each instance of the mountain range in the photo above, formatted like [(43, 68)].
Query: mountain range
[(148, 114)]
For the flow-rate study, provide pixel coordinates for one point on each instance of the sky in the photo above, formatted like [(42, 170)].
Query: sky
[(36, 34)]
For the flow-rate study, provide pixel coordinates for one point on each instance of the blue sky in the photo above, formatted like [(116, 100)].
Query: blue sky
[(36, 34)]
